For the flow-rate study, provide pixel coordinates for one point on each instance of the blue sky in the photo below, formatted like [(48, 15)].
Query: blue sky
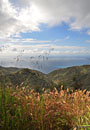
[(61, 33), (57, 27)]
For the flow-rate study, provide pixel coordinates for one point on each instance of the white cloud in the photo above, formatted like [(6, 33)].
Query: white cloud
[(88, 32), (87, 41), (18, 40), (76, 13), (15, 20), (27, 15), (41, 49)]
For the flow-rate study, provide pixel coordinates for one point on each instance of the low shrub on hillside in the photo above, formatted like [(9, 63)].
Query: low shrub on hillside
[(27, 110)]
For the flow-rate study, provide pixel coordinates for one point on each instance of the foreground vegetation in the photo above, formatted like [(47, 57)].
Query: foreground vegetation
[(27, 110)]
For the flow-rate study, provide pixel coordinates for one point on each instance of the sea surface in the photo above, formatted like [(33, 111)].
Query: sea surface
[(45, 64)]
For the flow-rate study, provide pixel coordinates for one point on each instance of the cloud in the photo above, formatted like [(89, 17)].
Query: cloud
[(87, 41), (14, 20), (40, 49), (8, 20), (27, 15), (18, 40), (75, 13), (88, 32)]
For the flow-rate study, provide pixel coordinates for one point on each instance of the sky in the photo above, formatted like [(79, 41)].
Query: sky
[(44, 28)]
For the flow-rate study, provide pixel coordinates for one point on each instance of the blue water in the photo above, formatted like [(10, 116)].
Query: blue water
[(46, 65), (64, 62)]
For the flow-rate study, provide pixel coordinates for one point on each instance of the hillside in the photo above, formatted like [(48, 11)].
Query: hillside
[(25, 78), (8, 70), (76, 77), (72, 77)]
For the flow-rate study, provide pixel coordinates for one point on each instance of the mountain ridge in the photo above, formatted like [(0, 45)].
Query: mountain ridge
[(76, 77)]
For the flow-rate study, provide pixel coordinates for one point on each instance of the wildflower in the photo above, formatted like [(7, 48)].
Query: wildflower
[(75, 128), (32, 91), (61, 87), (26, 97), (67, 90), (64, 102), (21, 84), (23, 88), (38, 98), (31, 114), (30, 97)]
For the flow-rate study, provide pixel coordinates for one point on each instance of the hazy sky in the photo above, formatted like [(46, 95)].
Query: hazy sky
[(44, 27)]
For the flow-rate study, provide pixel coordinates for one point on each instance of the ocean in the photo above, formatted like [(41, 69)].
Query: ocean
[(45, 64)]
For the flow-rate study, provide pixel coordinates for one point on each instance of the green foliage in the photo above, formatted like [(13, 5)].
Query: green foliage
[(76, 77), (25, 77), (27, 110)]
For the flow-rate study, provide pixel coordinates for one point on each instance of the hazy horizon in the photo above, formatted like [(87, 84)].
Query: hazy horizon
[(46, 64)]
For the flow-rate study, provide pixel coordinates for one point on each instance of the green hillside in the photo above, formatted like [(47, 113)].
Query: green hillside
[(72, 77), (8, 70), (76, 77), (25, 78)]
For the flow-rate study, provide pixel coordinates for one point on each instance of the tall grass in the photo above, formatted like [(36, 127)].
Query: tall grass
[(27, 110)]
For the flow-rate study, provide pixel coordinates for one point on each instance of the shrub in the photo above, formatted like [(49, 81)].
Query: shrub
[(27, 110)]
